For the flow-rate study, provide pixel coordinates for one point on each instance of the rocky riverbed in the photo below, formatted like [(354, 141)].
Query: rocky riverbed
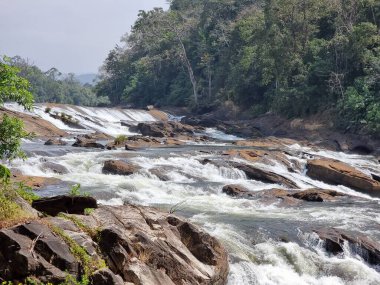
[(265, 210)]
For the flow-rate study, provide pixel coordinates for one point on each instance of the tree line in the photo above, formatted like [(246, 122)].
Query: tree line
[(54, 87), (289, 57)]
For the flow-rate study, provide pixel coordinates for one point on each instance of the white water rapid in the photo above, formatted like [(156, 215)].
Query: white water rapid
[(88, 119), (267, 244)]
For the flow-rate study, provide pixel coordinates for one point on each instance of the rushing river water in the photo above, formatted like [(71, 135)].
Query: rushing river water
[(267, 244)]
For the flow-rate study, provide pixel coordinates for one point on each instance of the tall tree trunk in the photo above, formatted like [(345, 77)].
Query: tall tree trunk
[(209, 81), (190, 70)]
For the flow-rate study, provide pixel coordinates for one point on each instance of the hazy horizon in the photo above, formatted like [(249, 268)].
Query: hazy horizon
[(71, 36)]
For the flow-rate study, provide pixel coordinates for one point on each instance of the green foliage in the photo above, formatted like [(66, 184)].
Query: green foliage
[(53, 87), (5, 174), (9, 210), (26, 192), (292, 58), (89, 264), (11, 134), (120, 139), (93, 233), (14, 87), (75, 190)]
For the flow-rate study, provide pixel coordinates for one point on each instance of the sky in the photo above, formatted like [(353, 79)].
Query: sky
[(71, 35)]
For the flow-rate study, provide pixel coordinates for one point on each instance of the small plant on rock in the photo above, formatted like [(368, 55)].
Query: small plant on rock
[(120, 139)]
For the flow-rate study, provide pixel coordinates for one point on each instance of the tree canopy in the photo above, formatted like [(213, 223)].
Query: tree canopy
[(292, 57), (12, 88), (54, 87)]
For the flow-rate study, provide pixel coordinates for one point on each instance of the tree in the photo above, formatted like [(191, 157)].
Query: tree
[(12, 88)]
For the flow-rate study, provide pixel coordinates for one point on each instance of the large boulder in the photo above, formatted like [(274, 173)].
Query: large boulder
[(168, 250), (55, 141), (338, 173), (286, 197), (360, 244), (119, 167), (265, 176), (238, 191), (54, 167), (88, 143), (316, 195), (164, 129), (64, 204)]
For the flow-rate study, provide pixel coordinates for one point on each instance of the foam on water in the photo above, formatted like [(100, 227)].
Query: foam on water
[(91, 119), (238, 223)]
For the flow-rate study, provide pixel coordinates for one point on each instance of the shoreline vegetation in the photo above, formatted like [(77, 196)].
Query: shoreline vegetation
[(290, 58)]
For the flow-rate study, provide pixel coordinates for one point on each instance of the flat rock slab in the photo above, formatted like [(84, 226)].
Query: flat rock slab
[(339, 173), (287, 197)]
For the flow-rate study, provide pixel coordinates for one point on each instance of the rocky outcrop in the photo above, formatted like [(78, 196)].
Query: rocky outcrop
[(33, 250), (139, 245), (287, 197), (237, 191), (119, 167), (166, 248), (106, 277), (87, 142), (55, 141), (54, 167), (338, 173), (360, 244), (34, 182), (316, 195), (265, 176), (35, 124), (269, 157), (64, 204), (164, 129)]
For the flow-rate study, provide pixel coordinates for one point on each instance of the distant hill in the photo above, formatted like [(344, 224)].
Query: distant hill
[(86, 78)]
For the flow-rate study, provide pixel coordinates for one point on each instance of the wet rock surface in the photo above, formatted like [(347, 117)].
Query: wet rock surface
[(55, 141), (360, 244), (87, 142), (139, 245), (266, 176), (119, 167), (338, 173), (286, 197), (164, 129), (54, 167)]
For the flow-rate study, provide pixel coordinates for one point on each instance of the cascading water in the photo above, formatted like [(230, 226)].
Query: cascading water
[(87, 119), (267, 243)]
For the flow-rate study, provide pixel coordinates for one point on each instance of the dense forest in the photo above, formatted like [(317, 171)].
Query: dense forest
[(54, 87), (289, 57)]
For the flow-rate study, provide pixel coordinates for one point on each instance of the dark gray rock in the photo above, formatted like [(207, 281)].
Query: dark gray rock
[(64, 204)]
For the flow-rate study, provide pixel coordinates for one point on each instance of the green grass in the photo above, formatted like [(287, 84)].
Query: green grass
[(10, 212), (26, 192), (93, 233), (120, 139), (89, 264)]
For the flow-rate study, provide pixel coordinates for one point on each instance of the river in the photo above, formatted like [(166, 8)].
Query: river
[(267, 243)]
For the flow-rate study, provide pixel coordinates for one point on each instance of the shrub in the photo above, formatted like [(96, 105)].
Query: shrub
[(120, 139)]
